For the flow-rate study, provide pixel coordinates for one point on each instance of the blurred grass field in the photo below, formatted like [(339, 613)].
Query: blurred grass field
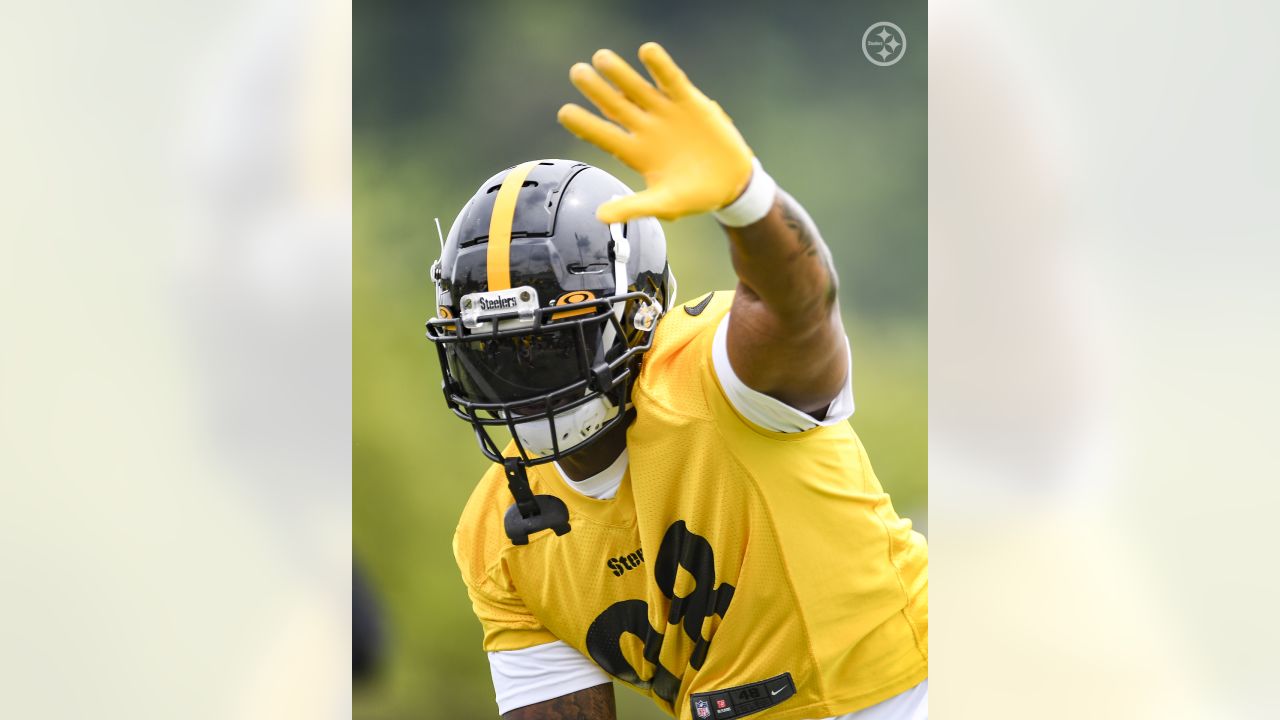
[(436, 114)]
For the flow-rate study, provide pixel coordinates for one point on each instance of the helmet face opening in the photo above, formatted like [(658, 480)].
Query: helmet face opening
[(544, 311), (521, 367), (500, 378)]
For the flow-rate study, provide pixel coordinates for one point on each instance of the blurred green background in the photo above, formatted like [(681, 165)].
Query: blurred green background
[(446, 94)]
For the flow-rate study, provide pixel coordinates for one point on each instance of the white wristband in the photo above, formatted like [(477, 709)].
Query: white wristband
[(754, 203)]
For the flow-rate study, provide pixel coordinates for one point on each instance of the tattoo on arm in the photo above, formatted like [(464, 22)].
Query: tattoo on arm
[(595, 703), (800, 225), (807, 243)]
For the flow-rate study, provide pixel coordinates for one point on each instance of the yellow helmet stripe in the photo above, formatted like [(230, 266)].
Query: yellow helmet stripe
[(504, 211)]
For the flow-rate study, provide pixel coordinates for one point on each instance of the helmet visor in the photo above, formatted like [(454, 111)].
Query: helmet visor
[(522, 367)]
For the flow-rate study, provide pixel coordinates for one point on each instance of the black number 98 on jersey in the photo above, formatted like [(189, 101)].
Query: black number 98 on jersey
[(680, 549)]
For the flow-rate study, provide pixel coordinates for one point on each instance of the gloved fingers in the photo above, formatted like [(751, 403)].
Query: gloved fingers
[(612, 104), (601, 133), (670, 78), (631, 83), (648, 203)]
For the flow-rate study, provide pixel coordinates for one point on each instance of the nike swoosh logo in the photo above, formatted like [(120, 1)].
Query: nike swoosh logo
[(697, 309), (775, 692)]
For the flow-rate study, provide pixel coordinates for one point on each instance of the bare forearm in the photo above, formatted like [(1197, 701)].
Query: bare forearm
[(595, 703), (782, 260), (785, 336)]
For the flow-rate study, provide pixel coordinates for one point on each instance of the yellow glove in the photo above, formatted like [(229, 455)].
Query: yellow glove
[(691, 156)]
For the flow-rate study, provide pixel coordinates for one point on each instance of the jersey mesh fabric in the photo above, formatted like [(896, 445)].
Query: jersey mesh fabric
[(756, 553)]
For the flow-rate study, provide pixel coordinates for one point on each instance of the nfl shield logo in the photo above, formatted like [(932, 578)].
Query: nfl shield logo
[(704, 710)]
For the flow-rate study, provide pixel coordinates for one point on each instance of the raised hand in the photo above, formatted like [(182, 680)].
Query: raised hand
[(691, 156)]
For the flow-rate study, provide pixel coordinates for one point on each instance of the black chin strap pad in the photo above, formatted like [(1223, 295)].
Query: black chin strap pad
[(530, 513)]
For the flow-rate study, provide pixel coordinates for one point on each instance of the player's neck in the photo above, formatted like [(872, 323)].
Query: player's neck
[(593, 459)]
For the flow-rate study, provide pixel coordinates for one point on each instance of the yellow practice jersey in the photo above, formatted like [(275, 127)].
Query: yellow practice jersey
[(736, 571)]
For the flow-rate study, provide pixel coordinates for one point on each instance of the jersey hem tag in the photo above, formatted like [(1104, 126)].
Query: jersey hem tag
[(736, 702)]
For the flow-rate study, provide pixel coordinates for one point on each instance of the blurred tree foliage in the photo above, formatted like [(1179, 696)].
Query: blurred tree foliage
[(447, 94)]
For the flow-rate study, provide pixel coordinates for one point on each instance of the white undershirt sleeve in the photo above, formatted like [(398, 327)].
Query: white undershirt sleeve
[(768, 412), (539, 673)]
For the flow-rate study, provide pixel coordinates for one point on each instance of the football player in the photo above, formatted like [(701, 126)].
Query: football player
[(683, 505)]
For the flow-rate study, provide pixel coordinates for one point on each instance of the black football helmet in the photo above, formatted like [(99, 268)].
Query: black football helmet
[(543, 311)]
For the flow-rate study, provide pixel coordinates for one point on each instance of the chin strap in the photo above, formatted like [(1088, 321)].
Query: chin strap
[(518, 484), (530, 513)]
